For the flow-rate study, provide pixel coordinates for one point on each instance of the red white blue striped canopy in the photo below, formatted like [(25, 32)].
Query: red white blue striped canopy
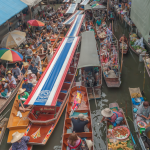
[(85, 2), (71, 9), (47, 89), (71, 18), (76, 25)]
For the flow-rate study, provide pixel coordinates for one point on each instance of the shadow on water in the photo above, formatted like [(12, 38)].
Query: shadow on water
[(132, 76)]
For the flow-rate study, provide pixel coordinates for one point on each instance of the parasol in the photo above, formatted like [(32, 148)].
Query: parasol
[(36, 23), (13, 39)]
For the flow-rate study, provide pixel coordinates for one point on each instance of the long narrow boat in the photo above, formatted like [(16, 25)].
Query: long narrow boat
[(113, 142), (49, 96), (147, 64), (109, 51), (3, 125), (89, 63), (136, 92), (125, 47), (83, 108)]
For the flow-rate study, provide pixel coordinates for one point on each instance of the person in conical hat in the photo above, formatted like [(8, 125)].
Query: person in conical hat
[(19, 141), (114, 117), (22, 97)]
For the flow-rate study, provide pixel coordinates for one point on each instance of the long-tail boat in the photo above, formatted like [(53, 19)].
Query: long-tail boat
[(125, 47), (49, 97), (89, 63), (136, 100), (114, 142), (83, 108), (109, 51)]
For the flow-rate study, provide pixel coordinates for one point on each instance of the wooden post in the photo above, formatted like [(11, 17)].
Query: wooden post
[(122, 56), (30, 13), (107, 8)]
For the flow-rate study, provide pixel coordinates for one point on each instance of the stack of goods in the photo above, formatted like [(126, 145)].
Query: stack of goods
[(102, 35), (124, 45), (137, 44)]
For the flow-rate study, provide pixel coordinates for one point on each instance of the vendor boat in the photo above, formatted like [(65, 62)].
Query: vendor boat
[(47, 111), (125, 47), (147, 64), (89, 63), (136, 99), (109, 51), (136, 49), (119, 142), (82, 108), (3, 125)]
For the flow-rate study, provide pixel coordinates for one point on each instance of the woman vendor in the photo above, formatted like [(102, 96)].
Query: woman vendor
[(143, 112), (114, 117)]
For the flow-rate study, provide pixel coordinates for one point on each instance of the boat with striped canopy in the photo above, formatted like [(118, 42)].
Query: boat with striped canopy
[(71, 9)]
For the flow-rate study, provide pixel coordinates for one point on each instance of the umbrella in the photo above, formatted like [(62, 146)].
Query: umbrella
[(10, 55), (36, 23), (13, 39)]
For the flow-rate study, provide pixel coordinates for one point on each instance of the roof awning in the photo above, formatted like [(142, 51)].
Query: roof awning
[(87, 7), (31, 3), (66, 1), (71, 18), (99, 7), (85, 2), (9, 8), (77, 1), (47, 89), (76, 25), (88, 54), (71, 9)]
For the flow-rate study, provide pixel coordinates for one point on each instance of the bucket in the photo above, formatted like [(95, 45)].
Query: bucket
[(142, 130)]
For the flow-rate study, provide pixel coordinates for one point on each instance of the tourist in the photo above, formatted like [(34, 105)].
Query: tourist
[(2, 68), (28, 86), (74, 142), (5, 88), (48, 41), (19, 141), (11, 80), (45, 46), (60, 24), (16, 72), (36, 60), (79, 124), (55, 30), (48, 27), (20, 65), (114, 117), (22, 97), (34, 70), (31, 77), (98, 22), (28, 52), (143, 112)]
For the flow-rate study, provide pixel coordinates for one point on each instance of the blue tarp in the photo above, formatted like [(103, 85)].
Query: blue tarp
[(9, 8)]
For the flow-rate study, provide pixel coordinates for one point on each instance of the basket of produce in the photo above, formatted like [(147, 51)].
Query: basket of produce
[(121, 132)]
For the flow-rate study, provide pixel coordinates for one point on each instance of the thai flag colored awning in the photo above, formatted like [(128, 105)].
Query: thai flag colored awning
[(47, 89), (85, 2), (66, 1), (71, 9), (76, 25), (71, 18)]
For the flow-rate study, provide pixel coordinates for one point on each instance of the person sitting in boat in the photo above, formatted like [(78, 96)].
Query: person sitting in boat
[(37, 61), (115, 117), (20, 65), (45, 45), (5, 90), (11, 80), (123, 38), (16, 72), (19, 141), (55, 29), (98, 22), (110, 73), (31, 77), (34, 70), (60, 24), (88, 26), (28, 86), (2, 68), (143, 112), (78, 124), (74, 142), (22, 97)]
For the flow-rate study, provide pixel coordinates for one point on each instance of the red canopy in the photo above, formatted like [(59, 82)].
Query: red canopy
[(36, 23)]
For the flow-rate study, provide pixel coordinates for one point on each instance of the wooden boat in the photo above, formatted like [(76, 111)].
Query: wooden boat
[(110, 138), (3, 125), (147, 65), (125, 50), (83, 108), (43, 119), (140, 137), (89, 63), (111, 49)]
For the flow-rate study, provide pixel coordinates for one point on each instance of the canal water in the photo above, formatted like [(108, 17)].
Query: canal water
[(132, 76)]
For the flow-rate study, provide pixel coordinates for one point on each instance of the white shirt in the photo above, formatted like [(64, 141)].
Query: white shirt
[(12, 79), (36, 60)]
